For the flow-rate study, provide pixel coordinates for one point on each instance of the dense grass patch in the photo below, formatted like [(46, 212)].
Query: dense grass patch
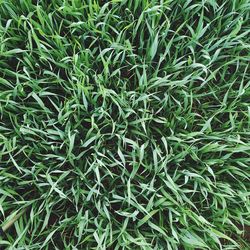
[(125, 124)]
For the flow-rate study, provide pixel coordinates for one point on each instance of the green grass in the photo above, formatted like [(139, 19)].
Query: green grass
[(125, 124)]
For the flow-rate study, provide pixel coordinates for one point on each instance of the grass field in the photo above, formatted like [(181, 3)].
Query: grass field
[(125, 124)]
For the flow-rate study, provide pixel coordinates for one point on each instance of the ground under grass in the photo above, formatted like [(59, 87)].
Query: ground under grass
[(125, 124)]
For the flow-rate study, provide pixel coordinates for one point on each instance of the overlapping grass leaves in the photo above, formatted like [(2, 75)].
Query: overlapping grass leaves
[(125, 124)]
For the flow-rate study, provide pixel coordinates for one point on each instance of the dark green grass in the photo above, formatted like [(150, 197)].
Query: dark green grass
[(125, 124)]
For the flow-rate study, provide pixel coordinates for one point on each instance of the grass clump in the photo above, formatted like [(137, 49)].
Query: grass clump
[(125, 124)]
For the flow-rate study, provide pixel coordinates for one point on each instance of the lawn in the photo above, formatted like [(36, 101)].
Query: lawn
[(125, 124)]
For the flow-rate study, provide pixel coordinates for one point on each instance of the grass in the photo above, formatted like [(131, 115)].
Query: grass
[(125, 124)]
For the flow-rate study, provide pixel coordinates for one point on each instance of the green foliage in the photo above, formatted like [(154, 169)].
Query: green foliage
[(125, 124)]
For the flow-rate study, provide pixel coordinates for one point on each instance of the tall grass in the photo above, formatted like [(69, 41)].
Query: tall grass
[(125, 124)]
